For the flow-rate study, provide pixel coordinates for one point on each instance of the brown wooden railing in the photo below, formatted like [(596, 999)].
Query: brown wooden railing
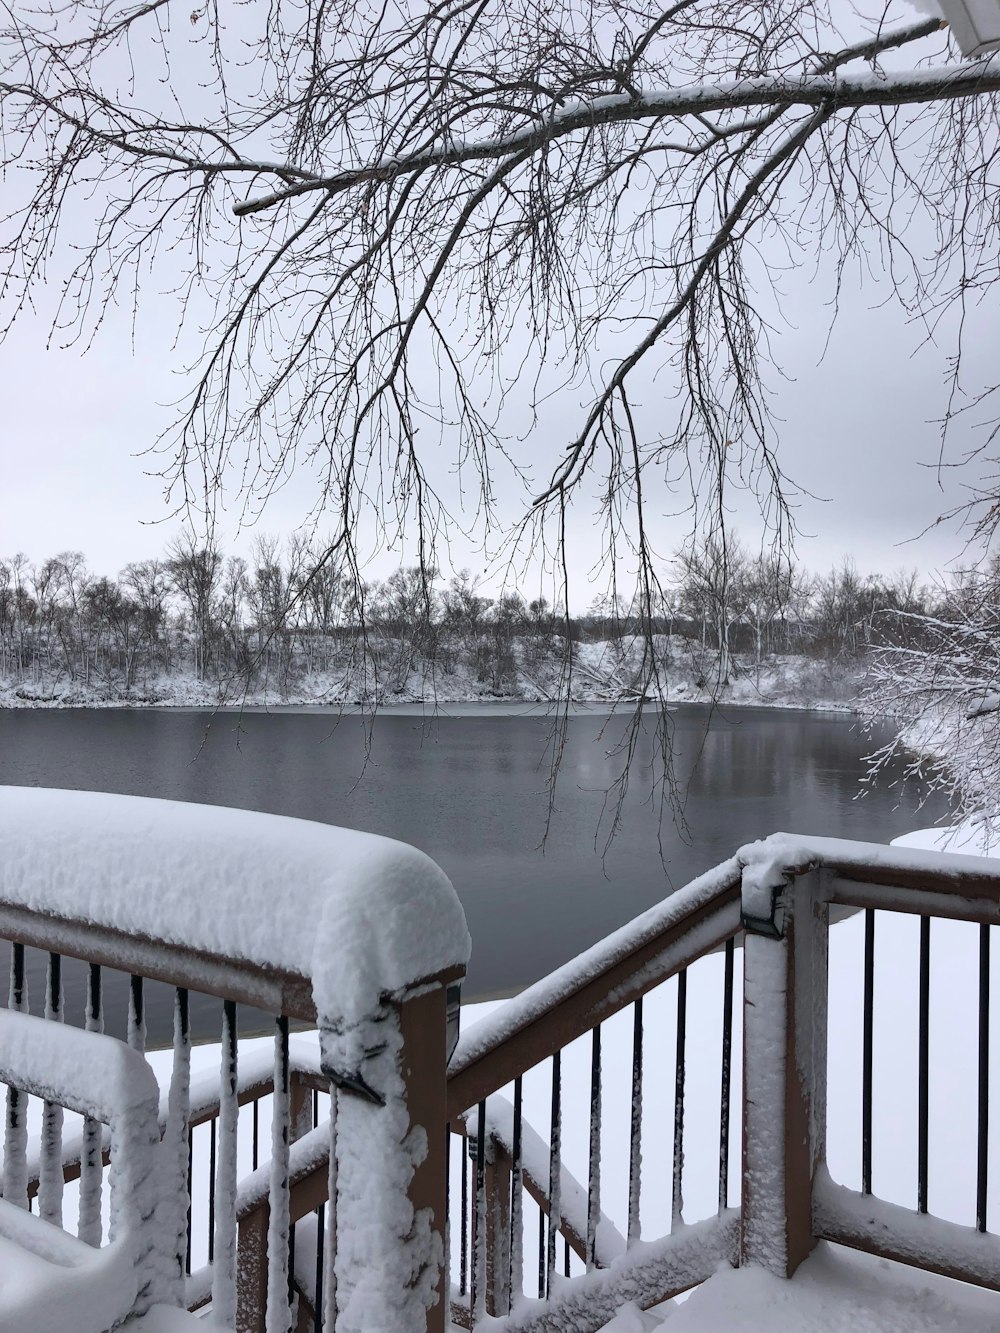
[(765, 915), (236, 1238), (715, 1106)]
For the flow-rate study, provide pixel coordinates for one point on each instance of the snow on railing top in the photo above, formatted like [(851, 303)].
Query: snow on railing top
[(357, 914), (520, 1011), (784, 854), (759, 868)]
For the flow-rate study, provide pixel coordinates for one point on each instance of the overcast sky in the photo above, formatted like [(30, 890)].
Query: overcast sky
[(857, 435)]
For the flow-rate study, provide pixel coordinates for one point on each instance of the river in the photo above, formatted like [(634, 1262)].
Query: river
[(472, 791)]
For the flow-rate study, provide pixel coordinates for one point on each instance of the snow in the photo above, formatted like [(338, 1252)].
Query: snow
[(834, 1291), (361, 915), (604, 673), (105, 1080), (51, 1282)]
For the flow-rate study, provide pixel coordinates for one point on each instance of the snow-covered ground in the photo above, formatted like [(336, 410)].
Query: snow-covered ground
[(601, 674)]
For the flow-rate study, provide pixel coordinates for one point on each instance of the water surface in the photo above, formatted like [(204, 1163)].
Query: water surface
[(473, 792)]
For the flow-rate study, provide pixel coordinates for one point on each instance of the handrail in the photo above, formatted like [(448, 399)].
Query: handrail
[(357, 933), (594, 986), (632, 960)]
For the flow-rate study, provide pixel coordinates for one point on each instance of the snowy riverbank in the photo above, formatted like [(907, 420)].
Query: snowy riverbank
[(601, 675)]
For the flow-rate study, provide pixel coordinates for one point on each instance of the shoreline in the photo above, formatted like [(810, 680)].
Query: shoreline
[(440, 708)]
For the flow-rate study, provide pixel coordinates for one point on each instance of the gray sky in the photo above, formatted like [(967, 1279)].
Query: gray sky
[(77, 428)]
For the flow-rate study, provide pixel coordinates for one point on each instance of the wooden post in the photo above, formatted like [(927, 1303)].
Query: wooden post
[(423, 1024), (300, 1104), (784, 1077), (498, 1178), (390, 1129), (251, 1270)]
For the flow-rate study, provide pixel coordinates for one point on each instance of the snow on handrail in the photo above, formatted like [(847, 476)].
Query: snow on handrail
[(357, 915), (714, 888)]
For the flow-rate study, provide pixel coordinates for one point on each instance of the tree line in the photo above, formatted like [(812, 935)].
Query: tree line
[(285, 613)]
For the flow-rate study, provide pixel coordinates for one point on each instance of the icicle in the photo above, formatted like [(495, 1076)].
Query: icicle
[(91, 1163), (224, 1267), (278, 1318), (50, 1172)]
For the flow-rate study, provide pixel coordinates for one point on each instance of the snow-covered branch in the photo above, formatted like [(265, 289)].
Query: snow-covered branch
[(831, 92)]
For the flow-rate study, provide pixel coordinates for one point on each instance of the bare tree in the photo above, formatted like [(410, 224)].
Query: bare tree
[(383, 221), (938, 674), (370, 207)]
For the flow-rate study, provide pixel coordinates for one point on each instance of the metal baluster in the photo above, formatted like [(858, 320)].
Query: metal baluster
[(291, 1263), (982, 1166), (256, 1134), (190, 1196), (463, 1258), (91, 1163), (15, 1162), (278, 1315), (330, 1261), (136, 1036), (212, 1124), (594, 1173), (224, 1195), (725, 1097), (177, 1134), (867, 1054), (541, 1252), (447, 1210), (555, 1171), (565, 1257), (635, 1136), (477, 1286), (318, 1307), (50, 1171), (516, 1205), (923, 1070), (677, 1200)]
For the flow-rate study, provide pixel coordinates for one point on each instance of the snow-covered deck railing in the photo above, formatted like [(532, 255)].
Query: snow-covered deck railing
[(49, 1280), (533, 1089), (584, 1148), (358, 935)]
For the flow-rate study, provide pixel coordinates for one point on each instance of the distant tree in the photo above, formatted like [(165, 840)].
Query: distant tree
[(711, 579), (193, 569)]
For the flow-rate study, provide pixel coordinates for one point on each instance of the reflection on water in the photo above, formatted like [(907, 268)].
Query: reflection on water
[(473, 793)]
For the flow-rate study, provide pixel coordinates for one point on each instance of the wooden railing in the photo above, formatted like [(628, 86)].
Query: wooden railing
[(639, 1050), (761, 925), (71, 866)]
